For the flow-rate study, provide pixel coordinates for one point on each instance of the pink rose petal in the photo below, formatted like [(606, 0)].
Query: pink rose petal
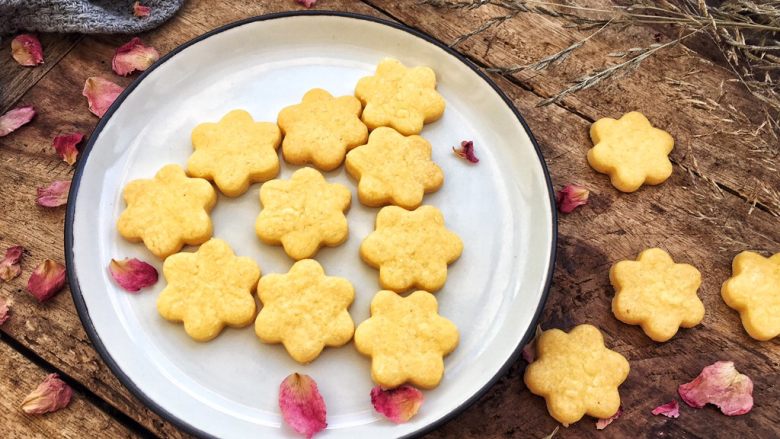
[(5, 312), (27, 50), (15, 118), (307, 3), (10, 266), (47, 279), (302, 406), (51, 395), (100, 94), (65, 146), (133, 56), (132, 274), (720, 384), (466, 151), (570, 197), (56, 194), (140, 10), (671, 409), (602, 423), (529, 350), (398, 405)]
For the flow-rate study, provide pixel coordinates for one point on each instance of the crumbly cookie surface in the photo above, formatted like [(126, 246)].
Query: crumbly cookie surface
[(208, 290), (235, 152), (754, 291), (321, 129), (303, 213), (406, 339), (167, 211)]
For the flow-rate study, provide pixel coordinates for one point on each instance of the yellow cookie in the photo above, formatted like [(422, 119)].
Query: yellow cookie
[(209, 289), (303, 213), (576, 374), (305, 310), (400, 97), (411, 248), (631, 151), (321, 129), (235, 152), (167, 211), (406, 339), (393, 169), (657, 294), (754, 290)]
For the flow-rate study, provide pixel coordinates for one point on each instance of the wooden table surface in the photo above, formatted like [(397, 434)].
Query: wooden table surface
[(723, 197)]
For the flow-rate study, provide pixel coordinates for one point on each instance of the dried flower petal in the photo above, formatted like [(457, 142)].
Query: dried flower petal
[(133, 56), (15, 118), (398, 405), (307, 3), (602, 423), (47, 279), (466, 151), (100, 94), (302, 406), (10, 265), (4, 311), (51, 395), (529, 350), (66, 146), (27, 50), (671, 409), (570, 197), (722, 385), (56, 194), (140, 10), (132, 274)]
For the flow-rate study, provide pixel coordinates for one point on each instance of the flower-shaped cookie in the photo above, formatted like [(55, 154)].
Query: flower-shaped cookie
[(305, 310), (657, 294), (400, 97), (576, 374), (411, 248), (754, 290), (321, 129), (235, 152), (167, 211), (631, 151), (393, 169), (303, 213), (406, 339), (209, 289)]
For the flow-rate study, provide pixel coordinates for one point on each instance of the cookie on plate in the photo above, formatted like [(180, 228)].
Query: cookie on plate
[(167, 211), (305, 310), (406, 339), (411, 248), (303, 213), (235, 152), (400, 97), (754, 290), (394, 169), (321, 129), (208, 290)]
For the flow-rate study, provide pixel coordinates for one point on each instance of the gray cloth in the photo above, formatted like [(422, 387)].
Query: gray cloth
[(83, 16)]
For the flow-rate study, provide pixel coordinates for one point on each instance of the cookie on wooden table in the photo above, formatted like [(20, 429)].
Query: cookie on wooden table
[(754, 290)]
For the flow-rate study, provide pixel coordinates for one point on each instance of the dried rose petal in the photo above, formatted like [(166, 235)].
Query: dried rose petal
[(602, 423), (570, 197), (132, 274), (307, 3), (15, 118), (10, 265), (133, 56), (398, 405), (27, 50), (56, 194), (47, 279), (529, 350), (140, 10), (302, 406), (4, 311), (466, 151), (722, 385), (100, 94), (671, 409), (66, 146), (51, 395)]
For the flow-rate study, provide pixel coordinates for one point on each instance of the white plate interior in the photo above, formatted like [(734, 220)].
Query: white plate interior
[(228, 387)]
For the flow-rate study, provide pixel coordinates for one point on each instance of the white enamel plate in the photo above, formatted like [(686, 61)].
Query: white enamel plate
[(502, 208)]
